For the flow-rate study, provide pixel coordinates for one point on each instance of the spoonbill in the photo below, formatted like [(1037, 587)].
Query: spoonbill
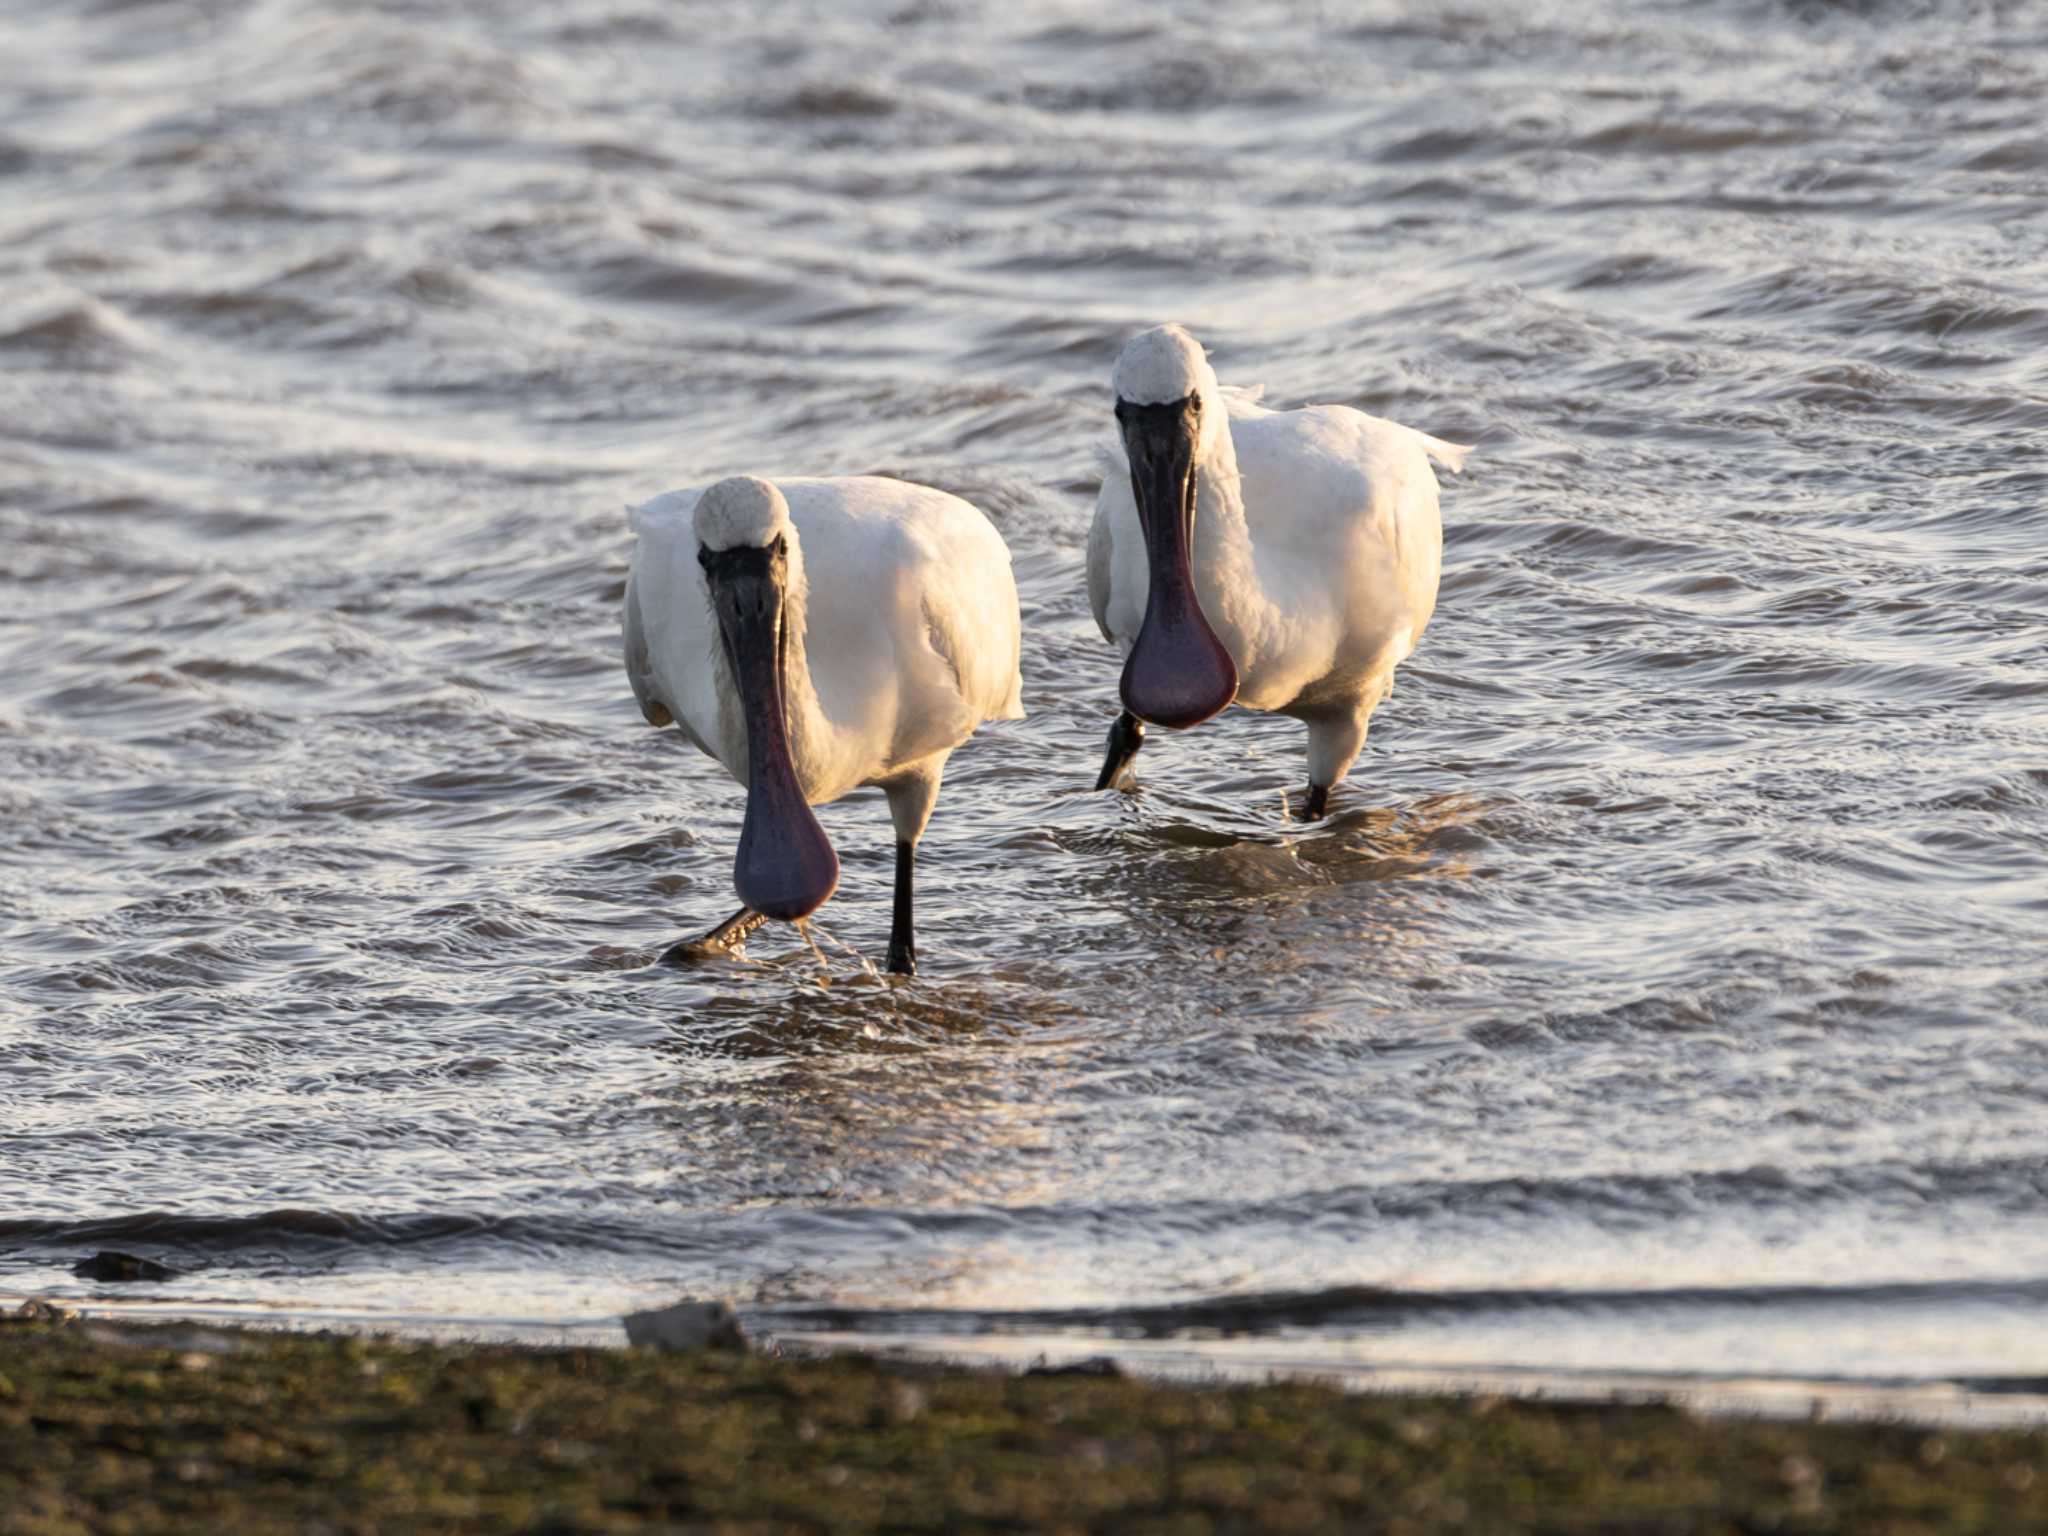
[(1286, 561), (815, 636)]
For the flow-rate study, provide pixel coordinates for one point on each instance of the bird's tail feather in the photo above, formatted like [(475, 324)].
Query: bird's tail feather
[(1450, 455)]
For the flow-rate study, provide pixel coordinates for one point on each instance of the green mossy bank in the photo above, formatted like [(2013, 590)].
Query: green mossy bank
[(174, 1430)]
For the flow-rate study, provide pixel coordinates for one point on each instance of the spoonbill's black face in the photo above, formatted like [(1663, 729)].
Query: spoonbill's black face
[(785, 867), (1178, 673)]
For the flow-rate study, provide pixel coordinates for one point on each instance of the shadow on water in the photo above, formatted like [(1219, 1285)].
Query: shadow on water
[(1187, 872)]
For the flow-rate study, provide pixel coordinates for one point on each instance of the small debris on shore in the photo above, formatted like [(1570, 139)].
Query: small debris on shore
[(36, 1310), (111, 1264), (1094, 1365), (687, 1328)]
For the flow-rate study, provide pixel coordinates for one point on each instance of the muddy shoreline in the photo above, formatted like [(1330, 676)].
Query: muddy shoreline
[(179, 1427)]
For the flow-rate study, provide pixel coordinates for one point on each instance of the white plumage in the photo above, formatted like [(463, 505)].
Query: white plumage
[(899, 632), (1315, 550)]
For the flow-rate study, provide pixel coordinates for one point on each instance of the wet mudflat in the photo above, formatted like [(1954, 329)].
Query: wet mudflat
[(180, 1428)]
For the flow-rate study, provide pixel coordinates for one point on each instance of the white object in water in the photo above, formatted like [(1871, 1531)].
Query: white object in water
[(687, 1327), (1282, 560), (815, 636)]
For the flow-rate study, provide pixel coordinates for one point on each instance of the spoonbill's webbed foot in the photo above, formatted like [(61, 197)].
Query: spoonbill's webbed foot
[(1125, 737), (902, 946), (1318, 801), (722, 940)]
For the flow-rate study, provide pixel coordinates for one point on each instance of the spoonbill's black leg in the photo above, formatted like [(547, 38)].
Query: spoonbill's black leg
[(902, 947), (721, 940), (1318, 801), (1125, 737)]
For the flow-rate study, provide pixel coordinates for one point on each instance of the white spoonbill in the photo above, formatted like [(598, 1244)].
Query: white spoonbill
[(815, 636), (1283, 560)]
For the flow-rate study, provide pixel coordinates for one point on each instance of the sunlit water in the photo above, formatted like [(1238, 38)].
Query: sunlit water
[(1667, 991)]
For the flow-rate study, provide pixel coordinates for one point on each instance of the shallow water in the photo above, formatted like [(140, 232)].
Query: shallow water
[(1667, 987)]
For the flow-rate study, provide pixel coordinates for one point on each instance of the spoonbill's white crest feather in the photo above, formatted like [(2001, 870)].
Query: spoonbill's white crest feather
[(1317, 544), (1160, 366), (743, 512)]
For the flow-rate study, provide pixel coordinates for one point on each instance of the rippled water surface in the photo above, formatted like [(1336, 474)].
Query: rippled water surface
[(1667, 988)]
